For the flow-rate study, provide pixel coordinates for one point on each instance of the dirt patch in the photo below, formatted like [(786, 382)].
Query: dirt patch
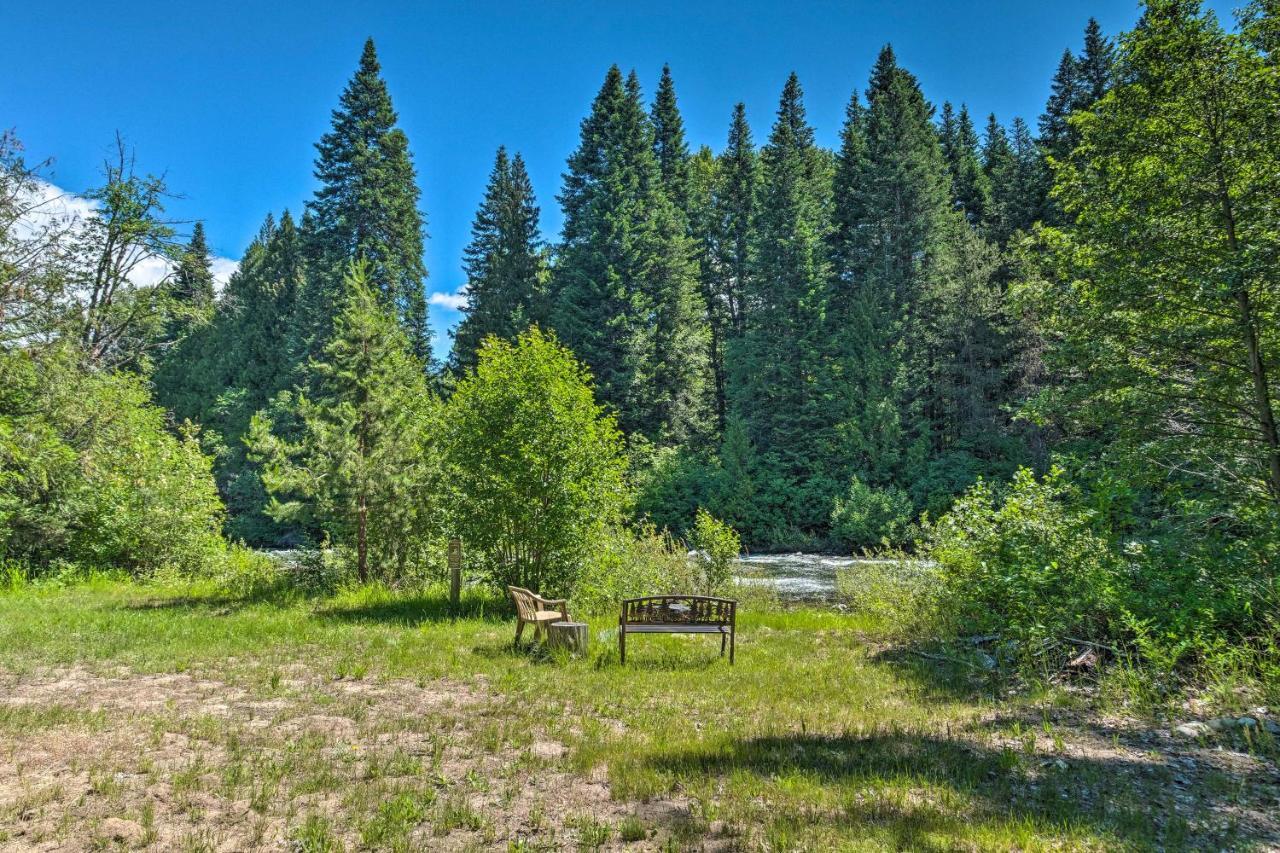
[(180, 761)]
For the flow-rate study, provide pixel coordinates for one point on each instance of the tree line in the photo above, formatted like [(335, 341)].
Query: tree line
[(821, 347)]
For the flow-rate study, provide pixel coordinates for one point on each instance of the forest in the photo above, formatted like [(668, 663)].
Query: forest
[(1043, 359)]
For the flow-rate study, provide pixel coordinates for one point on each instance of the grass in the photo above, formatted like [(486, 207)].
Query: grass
[(173, 715)]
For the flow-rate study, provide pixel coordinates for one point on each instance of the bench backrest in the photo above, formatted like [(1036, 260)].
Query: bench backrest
[(524, 601), (678, 610)]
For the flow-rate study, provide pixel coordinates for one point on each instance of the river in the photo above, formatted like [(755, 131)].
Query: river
[(798, 576)]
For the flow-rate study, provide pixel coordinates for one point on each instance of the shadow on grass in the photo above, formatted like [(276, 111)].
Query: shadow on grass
[(1114, 799), (409, 611), (940, 674)]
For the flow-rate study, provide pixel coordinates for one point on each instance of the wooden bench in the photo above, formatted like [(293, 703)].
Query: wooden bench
[(678, 614), (533, 609)]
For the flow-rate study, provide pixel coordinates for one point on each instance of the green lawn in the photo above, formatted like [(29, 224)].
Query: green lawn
[(172, 717)]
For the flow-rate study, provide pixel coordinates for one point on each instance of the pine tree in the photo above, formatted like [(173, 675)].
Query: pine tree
[(735, 201), (721, 206), (193, 279), (1095, 67), (1016, 173), (626, 298), (776, 362), (970, 189), (367, 207), (1064, 95), (669, 144), (913, 305), (504, 263), (365, 467), (1078, 84)]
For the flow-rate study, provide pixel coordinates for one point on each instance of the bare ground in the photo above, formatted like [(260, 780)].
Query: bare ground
[(116, 760)]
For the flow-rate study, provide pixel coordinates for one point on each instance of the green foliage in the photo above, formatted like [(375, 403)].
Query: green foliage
[(1026, 564), (90, 474), (867, 517), (625, 287), (366, 466), (536, 465), (629, 563), (775, 359), (900, 598), (367, 208), (505, 265), (715, 546), (1163, 292)]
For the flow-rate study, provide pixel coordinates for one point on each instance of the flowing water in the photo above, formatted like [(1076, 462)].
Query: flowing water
[(798, 576)]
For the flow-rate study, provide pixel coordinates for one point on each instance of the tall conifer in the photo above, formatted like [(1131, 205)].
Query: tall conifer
[(367, 206), (504, 263), (626, 297), (777, 360)]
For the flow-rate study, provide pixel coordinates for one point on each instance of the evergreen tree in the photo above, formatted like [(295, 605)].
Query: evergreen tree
[(1016, 173), (193, 279), (1064, 95), (365, 467), (1096, 66), (970, 188), (775, 363), (1078, 84), (367, 207), (722, 204), (504, 263), (669, 144), (735, 202), (913, 307), (626, 284)]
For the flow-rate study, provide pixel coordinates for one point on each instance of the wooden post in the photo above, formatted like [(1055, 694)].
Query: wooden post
[(455, 571), (568, 635)]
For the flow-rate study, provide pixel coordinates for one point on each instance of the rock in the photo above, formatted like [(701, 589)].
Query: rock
[(986, 661), (1246, 723), (1272, 727), (1193, 730)]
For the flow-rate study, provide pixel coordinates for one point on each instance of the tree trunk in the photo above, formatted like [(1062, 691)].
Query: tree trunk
[(362, 541)]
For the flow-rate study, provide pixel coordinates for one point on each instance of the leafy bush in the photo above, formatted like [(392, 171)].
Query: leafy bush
[(867, 516), (629, 564), (90, 474), (536, 464), (899, 597), (715, 546), (1026, 563)]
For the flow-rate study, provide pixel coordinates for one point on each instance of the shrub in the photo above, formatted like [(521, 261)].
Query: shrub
[(536, 464), (715, 546), (629, 564), (867, 516), (1027, 563), (90, 474), (898, 597)]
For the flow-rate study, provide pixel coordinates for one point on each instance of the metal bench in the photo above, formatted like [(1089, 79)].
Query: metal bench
[(678, 614)]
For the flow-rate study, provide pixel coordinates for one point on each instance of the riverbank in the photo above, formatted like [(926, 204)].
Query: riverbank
[(174, 716)]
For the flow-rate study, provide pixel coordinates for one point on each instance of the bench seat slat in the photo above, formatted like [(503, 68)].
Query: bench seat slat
[(676, 628)]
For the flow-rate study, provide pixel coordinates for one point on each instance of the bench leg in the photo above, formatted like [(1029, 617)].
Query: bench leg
[(622, 645), (519, 631), (732, 636), (723, 637)]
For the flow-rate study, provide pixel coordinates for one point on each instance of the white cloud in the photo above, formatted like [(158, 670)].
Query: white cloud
[(53, 208), (223, 269), (456, 301)]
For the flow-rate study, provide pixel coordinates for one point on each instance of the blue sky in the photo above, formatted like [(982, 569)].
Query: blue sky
[(227, 98)]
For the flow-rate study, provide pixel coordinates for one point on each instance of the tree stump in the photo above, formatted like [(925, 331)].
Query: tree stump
[(571, 636)]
